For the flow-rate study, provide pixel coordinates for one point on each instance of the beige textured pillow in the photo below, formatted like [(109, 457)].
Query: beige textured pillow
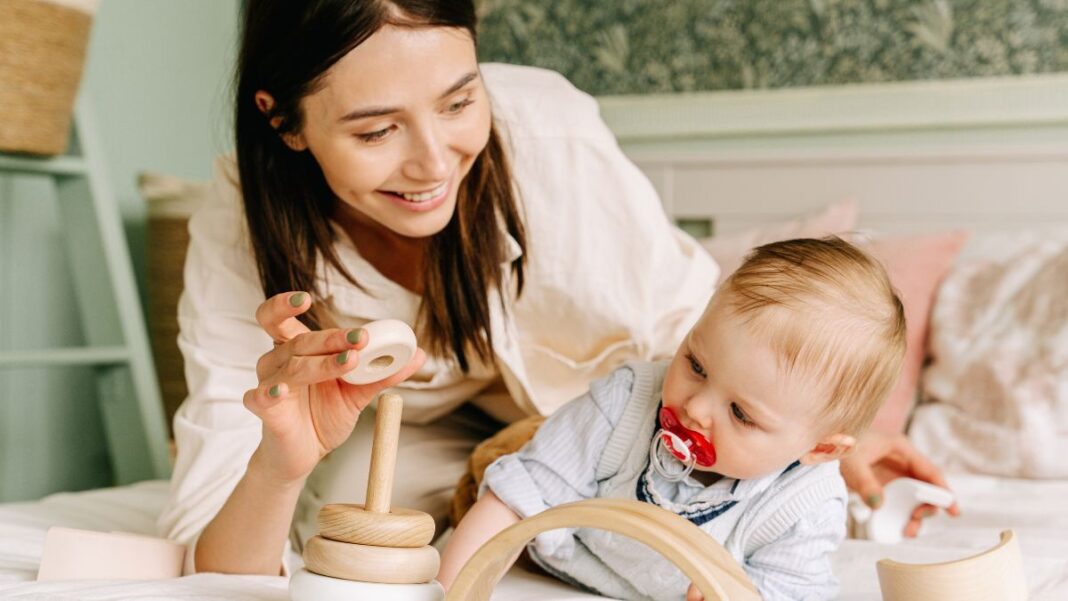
[(729, 251), (995, 397)]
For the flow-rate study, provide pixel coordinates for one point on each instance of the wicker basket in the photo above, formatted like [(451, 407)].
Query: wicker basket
[(170, 203), (42, 52)]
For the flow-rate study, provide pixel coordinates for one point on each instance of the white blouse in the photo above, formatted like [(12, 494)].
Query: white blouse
[(609, 278)]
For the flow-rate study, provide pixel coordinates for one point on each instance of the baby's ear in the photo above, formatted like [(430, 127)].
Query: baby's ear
[(832, 447)]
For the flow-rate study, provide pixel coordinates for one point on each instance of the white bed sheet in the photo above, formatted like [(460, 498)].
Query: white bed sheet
[(1036, 510)]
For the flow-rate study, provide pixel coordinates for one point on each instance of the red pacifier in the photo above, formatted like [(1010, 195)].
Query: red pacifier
[(683, 443)]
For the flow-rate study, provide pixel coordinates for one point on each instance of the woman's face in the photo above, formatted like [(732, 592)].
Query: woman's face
[(397, 124)]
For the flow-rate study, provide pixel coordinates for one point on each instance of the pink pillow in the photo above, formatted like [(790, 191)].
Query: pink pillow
[(916, 265), (730, 250)]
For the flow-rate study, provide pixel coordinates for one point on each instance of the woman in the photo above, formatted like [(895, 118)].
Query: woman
[(373, 180)]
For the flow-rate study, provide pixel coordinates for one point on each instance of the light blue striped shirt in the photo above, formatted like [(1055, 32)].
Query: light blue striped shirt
[(781, 528)]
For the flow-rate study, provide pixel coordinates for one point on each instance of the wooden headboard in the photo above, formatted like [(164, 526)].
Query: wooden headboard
[(988, 154)]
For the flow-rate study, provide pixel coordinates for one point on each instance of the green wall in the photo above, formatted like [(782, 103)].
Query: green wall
[(156, 81)]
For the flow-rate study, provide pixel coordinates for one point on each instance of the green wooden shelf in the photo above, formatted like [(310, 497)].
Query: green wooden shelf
[(26, 165), (103, 355), (116, 339)]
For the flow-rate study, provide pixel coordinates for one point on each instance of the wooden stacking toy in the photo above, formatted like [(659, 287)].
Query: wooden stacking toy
[(704, 561), (390, 347), (372, 551), (996, 574)]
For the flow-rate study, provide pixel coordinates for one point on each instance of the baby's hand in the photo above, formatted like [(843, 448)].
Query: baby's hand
[(692, 594)]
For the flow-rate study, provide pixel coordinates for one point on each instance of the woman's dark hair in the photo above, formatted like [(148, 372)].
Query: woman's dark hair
[(287, 47)]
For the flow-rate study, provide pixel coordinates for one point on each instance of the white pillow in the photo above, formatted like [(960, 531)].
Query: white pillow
[(729, 251)]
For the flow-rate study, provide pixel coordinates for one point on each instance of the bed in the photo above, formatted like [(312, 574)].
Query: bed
[(1033, 508), (915, 158)]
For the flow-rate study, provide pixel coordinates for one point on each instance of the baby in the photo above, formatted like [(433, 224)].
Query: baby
[(739, 433)]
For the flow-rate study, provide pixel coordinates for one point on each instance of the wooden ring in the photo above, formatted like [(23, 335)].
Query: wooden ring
[(704, 561), (352, 523), (391, 346), (384, 565)]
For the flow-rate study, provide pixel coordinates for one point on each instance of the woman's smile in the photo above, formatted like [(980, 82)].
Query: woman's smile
[(422, 200)]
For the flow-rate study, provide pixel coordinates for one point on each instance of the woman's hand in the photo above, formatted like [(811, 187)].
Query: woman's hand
[(879, 458), (692, 594), (306, 409)]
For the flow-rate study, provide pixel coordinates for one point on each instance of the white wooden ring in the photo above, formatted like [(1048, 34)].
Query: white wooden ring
[(386, 565), (390, 346), (308, 586), (352, 523)]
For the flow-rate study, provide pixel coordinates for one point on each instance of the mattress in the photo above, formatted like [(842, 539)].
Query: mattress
[(1035, 509)]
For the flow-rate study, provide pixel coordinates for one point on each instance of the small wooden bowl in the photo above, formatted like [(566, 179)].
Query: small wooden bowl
[(993, 575)]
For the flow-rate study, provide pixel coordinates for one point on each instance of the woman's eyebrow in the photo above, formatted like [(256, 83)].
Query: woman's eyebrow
[(463, 81), (358, 114), (378, 111)]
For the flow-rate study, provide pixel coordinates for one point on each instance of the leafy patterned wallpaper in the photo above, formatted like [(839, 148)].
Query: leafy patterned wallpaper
[(651, 46)]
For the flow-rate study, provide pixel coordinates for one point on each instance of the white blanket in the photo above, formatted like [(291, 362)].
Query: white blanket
[(1036, 510)]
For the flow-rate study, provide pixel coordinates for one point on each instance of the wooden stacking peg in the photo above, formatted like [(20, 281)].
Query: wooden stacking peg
[(376, 523), (384, 453), (374, 542)]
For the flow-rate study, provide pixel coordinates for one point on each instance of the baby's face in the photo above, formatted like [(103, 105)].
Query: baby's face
[(729, 385)]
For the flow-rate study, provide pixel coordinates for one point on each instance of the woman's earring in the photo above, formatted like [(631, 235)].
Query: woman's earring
[(664, 437)]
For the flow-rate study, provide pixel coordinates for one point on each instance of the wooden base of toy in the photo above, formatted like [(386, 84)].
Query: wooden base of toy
[(372, 551), (387, 565), (351, 523), (707, 564), (306, 586), (993, 575)]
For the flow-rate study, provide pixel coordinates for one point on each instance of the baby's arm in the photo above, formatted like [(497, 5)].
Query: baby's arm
[(557, 466), (798, 564), (482, 522)]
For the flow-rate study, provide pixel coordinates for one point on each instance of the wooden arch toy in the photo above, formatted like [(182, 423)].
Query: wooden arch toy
[(702, 559), (996, 574)]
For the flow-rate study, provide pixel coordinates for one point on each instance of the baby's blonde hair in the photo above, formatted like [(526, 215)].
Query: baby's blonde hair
[(829, 311)]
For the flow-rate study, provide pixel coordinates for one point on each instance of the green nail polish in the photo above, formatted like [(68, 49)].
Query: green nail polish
[(874, 501), (274, 391), (296, 300), (355, 336), (343, 358)]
